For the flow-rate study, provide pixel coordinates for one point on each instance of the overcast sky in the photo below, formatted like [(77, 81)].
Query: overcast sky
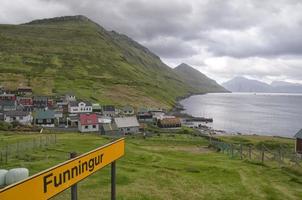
[(260, 39)]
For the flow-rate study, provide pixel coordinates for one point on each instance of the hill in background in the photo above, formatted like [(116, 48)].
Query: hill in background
[(241, 84), (196, 79), (75, 54)]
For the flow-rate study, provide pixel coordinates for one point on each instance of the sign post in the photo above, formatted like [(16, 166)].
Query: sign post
[(52, 181), (113, 173)]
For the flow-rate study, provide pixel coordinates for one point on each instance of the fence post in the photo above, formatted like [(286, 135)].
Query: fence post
[(250, 152), (232, 150), (262, 153), (241, 156), (279, 156), (74, 188), (113, 180), (18, 149), (6, 154)]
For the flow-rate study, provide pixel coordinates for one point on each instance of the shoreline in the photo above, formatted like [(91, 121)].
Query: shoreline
[(179, 111)]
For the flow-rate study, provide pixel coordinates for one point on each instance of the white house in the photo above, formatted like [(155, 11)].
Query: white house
[(127, 125), (22, 117), (70, 97), (79, 107)]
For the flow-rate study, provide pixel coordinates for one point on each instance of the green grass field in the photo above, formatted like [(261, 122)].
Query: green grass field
[(169, 166)]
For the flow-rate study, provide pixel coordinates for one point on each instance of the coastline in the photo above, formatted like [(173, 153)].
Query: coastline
[(179, 111)]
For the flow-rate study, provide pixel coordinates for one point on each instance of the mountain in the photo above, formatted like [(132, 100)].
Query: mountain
[(198, 80), (241, 84), (75, 54)]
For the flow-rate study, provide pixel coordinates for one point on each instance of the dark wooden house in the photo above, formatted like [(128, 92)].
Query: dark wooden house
[(298, 145), (169, 123)]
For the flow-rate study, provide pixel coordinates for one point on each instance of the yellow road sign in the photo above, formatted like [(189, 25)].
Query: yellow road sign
[(50, 182)]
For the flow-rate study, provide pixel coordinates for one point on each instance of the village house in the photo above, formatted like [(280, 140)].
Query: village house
[(169, 122), (96, 108), (88, 123), (72, 121), (108, 111), (109, 129), (143, 115), (127, 125), (7, 97), (24, 91), (298, 144), (22, 117), (69, 97), (26, 102), (8, 105), (79, 107), (127, 110), (104, 120), (45, 118), (40, 102)]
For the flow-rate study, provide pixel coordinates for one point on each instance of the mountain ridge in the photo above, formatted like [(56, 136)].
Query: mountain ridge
[(242, 84), (196, 79), (73, 53)]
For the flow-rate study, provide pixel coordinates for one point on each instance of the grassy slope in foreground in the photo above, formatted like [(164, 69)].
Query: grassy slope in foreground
[(75, 54), (166, 167)]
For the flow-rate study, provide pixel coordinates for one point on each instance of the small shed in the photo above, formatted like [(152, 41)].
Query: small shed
[(298, 145)]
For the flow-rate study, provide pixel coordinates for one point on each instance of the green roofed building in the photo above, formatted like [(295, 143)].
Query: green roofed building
[(45, 118)]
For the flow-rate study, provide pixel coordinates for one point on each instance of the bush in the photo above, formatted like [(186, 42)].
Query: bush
[(4, 126)]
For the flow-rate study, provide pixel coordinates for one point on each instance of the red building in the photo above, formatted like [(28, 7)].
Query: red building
[(5, 96), (25, 101), (88, 123)]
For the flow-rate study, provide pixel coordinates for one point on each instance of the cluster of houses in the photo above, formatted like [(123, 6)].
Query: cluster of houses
[(68, 112)]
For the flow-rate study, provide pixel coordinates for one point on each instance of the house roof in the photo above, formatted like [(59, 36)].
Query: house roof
[(124, 122), (76, 103), (45, 114), (96, 106), (109, 108), (24, 88), (127, 109), (110, 127), (15, 113), (88, 119), (39, 98), (299, 134), (167, 121), (143, 110), (8, 103)]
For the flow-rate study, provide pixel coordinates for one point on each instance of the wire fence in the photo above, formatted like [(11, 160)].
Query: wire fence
[(280, 156), (15, 150)]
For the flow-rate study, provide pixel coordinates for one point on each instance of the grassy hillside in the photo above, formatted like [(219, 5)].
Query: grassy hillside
[(198, 80), (76, 54), (165, 167)]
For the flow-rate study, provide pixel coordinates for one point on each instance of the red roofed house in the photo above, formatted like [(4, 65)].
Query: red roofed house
[(88, 123)]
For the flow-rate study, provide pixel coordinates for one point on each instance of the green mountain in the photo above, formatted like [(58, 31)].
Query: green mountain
[(75, 54), (198, 80)]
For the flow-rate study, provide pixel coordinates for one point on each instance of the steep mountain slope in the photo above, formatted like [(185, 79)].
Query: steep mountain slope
[(198, 80), (75, 54), (241, 84)]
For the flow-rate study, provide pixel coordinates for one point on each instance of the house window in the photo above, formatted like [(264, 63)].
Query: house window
[(40, 121), (93, 126), (48, 120), (86, 127), (21, 118)]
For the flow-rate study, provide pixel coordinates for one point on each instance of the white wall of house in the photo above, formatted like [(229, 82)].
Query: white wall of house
[(80, 108), (26, 120), (88, 128)]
